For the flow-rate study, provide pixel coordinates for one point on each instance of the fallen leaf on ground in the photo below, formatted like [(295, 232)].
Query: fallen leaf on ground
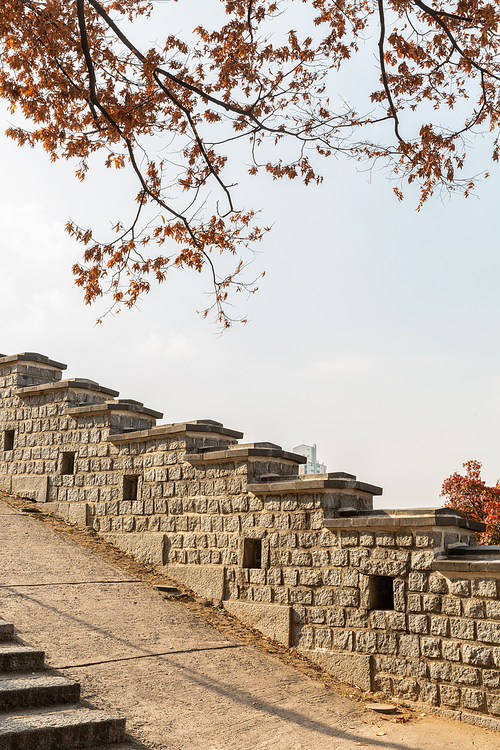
[(381, 734)]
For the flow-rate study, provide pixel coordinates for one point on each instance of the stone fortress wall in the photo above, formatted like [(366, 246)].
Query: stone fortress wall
[(397, 601)]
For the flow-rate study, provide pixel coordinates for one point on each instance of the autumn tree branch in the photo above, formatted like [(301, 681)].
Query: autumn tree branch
[(88, 88)]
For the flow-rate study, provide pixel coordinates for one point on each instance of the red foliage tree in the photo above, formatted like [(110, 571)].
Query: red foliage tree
[(475, 500)]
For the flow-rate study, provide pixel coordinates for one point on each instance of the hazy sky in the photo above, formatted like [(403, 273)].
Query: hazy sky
[(374, 332)]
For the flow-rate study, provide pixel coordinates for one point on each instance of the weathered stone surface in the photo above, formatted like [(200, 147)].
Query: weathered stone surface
[(366, 539), (440, 671), (450, 695), (78, 514), (347, 597), (336, 617), (429, 693), (460, 587), (451, 650), (69, 729), (385, 538), (349, 538), (324, 638), (272, 620), (366, 643), (344, 639), (472, 654), (414, 603), (384, 568), (406, 689), (352, 668), (409, 645), (484, 587), (396, 620), (493, 702), (310, 577), (473, 699), (466, 675), (488, 632), (431, 648), (6, 630), (463, 629), (493, 610), (418, 624), (386, 643), (5, 483), (422, 560), (438, 584), (404, 538), (486, 722), (440, 626), (424, 539), (417, 582), (339, 557), (473, 608), (33, 487), (431, 603), (206, 581), (491, 678), (148, 548), (451, 606), (37, 690), (17, 658)]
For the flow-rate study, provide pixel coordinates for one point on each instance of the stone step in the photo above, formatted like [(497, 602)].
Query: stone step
[(57, 730), (15, 657), (23, 691), (6, 630)]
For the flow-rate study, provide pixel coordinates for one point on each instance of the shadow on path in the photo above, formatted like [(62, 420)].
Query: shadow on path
[(225, 690)]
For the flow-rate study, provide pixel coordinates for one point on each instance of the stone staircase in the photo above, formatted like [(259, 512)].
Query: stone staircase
[(40, 711)]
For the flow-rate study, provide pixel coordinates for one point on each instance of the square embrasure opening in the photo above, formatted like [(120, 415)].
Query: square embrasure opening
[(68, 462), (381, 592), (130, 487), (8, 440), (252, 553)]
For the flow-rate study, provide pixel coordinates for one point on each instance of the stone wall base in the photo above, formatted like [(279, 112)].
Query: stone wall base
[(354, 669), (272, 620), (478, 720), (206, 580), (147, 548), (76, 513), (5, 483), (32, 487)]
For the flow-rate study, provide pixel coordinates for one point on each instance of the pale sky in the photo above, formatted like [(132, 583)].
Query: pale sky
[(374, 332)]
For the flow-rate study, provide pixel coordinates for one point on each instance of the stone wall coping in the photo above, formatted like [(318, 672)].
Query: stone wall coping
[(246, 450), (411, 517), (479, 552), (466, 566), (65, 385), (197, 426), (314, 482), (134, 407), (428, 511), (6, 360)]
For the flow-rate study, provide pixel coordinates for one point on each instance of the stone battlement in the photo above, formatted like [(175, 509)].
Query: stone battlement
[(397, 601)]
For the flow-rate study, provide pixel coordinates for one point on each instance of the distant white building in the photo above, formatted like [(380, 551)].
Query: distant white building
[(313, 466)]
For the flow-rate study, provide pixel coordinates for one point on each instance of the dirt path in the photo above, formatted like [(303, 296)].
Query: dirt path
[(181, 682)]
